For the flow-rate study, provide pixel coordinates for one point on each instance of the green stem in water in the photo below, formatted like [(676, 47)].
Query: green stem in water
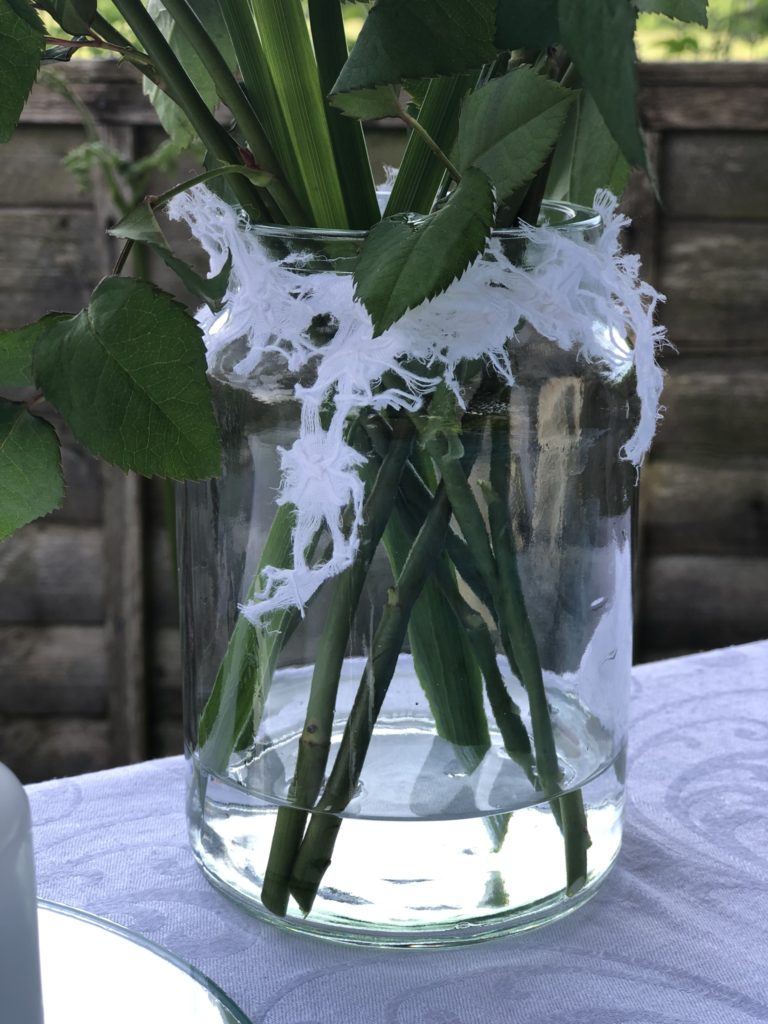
[(315, 741), (570, 807), (506, 713), (417, 498), (316, 849), (501, 578)]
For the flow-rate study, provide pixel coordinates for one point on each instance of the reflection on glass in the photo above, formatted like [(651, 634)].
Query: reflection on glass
[(94, 971)]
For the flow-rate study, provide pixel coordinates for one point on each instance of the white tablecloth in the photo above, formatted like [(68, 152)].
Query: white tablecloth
[(678, 933)]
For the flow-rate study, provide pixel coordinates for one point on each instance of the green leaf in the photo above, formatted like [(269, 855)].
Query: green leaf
[(22, 39), (599, 36), (128, 375), (172, 118), (587, 157), (74, 16), (367, 104), (16, 348), (31, 484), (404, 261), (141, 225), (526, 24), (682, 10), (403, 39), (509, 126)]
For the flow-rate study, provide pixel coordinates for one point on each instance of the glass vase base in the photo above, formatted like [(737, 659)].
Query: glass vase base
[(415, 883)]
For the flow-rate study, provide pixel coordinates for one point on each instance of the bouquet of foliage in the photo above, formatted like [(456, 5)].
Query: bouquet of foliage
[(508, 103)]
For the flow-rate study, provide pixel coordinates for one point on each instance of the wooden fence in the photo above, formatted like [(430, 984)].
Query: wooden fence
[(88, 632)]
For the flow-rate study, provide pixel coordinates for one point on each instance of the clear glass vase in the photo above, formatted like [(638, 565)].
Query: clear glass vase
[(433, 750)]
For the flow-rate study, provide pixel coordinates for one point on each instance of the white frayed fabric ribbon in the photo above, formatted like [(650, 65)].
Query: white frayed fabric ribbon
[(582, 295)]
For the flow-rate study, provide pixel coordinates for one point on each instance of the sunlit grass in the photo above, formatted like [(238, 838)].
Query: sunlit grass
[(738, 30)]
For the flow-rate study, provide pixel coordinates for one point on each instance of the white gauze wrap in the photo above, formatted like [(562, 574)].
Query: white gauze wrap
[(582, 295)]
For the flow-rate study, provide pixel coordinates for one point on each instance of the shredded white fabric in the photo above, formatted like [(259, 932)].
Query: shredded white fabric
[(583, 295)]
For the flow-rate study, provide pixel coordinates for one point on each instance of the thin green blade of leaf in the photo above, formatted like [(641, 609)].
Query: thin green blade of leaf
[(417, 90), (587, 157), (260, 89), (421, 172), (326, 23), (526, 24), (403, 39), (172, 118), (31, 482), (599, 37), (16, 347), (692, 11), (74, 16), (288, 49), (128, 374), (509, 126), (22, 39), (403, 262)]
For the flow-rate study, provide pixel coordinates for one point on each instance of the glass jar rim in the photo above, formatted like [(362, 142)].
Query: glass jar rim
[(568, 218)]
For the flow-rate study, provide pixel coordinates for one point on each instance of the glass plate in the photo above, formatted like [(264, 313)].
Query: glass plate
[(95, 971)]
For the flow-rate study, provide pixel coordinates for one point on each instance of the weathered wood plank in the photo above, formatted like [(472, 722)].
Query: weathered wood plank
[(696, 106), (707, 73), (715, 277), (82, 478), (59, 670), (48, 260), (50, 573), (705, 509), (704, 95), (32, 172), (716, 410), (111, 91), (166, 673), (641, 205), (38, 748), (166, 729), (702, 601), (161, 572), (169, 739), (716, 175)]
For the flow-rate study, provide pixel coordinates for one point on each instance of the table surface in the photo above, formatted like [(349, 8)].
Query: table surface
[(678, 933)]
